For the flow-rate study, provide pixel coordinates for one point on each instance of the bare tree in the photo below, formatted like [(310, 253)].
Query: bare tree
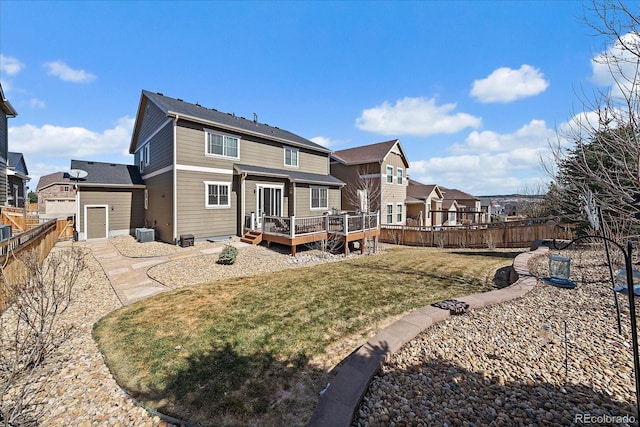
[(35, 294), (364, 195), (599, 151)]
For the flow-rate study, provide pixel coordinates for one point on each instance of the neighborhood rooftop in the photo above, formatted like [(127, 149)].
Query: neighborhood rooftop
[(172, 107), (365, 153)]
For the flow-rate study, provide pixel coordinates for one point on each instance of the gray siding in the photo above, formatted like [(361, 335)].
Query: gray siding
[(152, 118), (159, 214), (303, 201), (193, 217), (161, 150), (125, 207), (4, 148), (253, 151)]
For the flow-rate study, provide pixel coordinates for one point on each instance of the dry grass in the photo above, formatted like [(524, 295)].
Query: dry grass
[(257, 350)]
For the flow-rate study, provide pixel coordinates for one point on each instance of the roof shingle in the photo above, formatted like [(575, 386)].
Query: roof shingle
[(108, 174)]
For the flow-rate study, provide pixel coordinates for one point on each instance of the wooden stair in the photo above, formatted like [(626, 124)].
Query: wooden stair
[(252, 237)]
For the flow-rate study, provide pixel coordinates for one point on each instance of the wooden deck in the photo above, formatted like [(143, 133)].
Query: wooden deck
[(293, 231)]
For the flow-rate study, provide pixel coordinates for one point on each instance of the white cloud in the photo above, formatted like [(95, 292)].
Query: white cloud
[(415, 116), (617, 67), (489, 162), (66, 73), (324, 141), (507, 85), (534, 134), (37, 103), (72, 142), (10, 65)]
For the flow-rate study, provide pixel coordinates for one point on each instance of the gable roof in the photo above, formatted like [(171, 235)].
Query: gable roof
[(53, 178), (421, 191), (452, 193), (6, 106), (173, 107), (108, 174), (16, 162), (368, 153)]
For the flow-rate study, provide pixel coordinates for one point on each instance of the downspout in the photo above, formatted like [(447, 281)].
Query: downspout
[(175, 178), (243, 208)]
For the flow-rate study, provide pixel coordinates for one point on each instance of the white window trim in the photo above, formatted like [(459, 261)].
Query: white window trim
[(320, 208), (147, 154), (399, 212), (400, 178), (208, 132), (86, 222), (206, 194), (389, 179), (389, 205), (284, 154)]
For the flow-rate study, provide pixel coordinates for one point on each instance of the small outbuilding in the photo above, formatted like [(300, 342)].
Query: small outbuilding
[(110, 199)]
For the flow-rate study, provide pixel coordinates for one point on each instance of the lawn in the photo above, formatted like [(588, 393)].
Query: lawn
[(257, 350)]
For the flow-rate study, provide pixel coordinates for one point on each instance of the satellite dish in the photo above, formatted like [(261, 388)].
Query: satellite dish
[(78, 173)]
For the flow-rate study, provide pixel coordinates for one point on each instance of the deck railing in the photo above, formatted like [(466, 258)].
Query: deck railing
[(334, 224)]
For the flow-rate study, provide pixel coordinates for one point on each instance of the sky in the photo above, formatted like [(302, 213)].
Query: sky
[(474, 90)]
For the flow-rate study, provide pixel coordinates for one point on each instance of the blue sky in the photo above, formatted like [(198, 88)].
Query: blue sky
[(473, 90)]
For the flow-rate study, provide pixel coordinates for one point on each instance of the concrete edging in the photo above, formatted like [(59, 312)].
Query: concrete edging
[(339, 402)]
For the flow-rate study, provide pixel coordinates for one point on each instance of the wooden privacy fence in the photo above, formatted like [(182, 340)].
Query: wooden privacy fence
[(515, 234), (19, 219), (41, 239)]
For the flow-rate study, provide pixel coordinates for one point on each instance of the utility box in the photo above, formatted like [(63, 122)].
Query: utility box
[(186, 240), (144, 235)]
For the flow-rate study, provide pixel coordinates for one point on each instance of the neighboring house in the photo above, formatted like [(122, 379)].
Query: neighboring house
[(450, 211), (17, 178), (469, 208), (6, 111), (110, 200), (56, 196), (377, 179), (206, 171), (424, 204)]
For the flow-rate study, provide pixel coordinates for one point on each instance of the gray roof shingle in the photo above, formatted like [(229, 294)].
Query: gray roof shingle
[(53, 178), (108, 174), (198, 112)]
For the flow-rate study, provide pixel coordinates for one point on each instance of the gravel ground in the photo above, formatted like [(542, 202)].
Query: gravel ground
[(499, 365), (129, 247), (75, 386)]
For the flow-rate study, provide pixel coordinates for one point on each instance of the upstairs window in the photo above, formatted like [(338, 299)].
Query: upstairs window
[(390, 174), (291, 157), (400, 172), (222, 145), (217, 195), (145, 156), (319, 198)]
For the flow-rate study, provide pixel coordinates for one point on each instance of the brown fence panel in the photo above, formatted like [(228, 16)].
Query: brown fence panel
[(500, 235), (41, 239)]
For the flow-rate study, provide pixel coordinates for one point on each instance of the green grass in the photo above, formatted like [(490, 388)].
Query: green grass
[(258, 349)]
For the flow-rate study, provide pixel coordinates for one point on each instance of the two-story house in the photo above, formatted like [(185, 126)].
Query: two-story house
[(424, 204), (468, 208), (17, 178), (376, 177), (6, 111), (56, 195), (206, 171)]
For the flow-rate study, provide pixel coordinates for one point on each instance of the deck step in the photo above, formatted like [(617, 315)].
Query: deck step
[(252, 237)]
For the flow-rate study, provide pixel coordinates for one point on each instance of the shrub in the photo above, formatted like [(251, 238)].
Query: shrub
[(228, 255)]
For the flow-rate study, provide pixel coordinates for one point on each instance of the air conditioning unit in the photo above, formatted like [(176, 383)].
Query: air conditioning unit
[(5, 232), (146, 235)]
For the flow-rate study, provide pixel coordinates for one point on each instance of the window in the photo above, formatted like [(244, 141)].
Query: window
[(399, 212), (146, 198), (291, 157), (399, 175), (222, 145), (217, 194), (390, 174), (319, 198), (145, 156), (389, 214), (66, 188)]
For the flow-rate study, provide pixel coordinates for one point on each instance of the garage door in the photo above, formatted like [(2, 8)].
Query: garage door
[(96, 222)]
